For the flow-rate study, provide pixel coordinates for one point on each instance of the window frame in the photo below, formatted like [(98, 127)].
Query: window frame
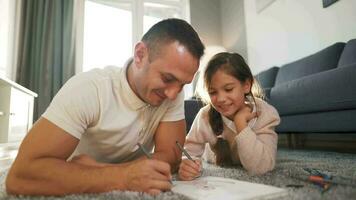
[(137, 21)]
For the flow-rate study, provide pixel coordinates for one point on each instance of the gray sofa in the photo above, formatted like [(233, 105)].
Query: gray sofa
[(315, 94)]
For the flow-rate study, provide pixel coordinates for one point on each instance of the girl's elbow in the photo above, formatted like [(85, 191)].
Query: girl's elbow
[(266, 169)]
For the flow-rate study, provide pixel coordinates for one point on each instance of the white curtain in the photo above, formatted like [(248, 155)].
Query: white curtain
[(9, 34)]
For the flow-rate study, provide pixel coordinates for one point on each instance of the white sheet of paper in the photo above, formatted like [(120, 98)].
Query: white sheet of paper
[(213, 188)]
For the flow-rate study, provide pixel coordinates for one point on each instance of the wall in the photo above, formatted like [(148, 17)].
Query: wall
[(233, 26), (205, 18), (288, 30)]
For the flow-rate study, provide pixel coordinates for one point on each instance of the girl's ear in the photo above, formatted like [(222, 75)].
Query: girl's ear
[(247, 86)]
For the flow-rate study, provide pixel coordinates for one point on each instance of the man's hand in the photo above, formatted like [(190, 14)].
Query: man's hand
[(148, 175), (188, 169), (42, 169), (243, 116)]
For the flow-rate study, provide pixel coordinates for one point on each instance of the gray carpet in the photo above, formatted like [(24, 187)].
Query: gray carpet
[(290, 163)]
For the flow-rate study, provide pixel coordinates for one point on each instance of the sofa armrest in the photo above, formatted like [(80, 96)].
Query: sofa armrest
[(191, 109), (267, 78), (325, 91)]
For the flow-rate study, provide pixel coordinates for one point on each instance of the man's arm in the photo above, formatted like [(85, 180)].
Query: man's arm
[(41, 168), (166, 136)]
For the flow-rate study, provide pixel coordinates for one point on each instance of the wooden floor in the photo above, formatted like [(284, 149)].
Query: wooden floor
[(8, 152)]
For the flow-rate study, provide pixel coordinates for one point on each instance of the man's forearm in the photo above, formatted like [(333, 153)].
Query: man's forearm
[(172, 158), (50, 176)]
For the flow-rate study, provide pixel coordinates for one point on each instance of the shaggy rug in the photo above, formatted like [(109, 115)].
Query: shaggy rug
[(289, 169)]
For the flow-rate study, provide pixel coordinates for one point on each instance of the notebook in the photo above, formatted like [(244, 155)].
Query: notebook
[(210, 187)]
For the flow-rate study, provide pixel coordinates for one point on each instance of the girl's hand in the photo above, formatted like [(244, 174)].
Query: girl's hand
[(243, 116), (189, 170)]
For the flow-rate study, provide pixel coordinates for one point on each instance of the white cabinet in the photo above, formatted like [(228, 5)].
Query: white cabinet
[(16, 110)]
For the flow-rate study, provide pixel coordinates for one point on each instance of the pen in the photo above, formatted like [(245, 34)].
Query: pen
[(188, 156), (184, 151), (318, 176), (321, 180), (148, 155)]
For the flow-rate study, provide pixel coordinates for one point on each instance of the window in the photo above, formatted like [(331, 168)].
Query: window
[(8, 19), (107, 34), (155, 12), (112, 28), (3, 35)]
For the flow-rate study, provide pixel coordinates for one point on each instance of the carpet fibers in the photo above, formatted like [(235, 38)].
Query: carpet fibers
[(289, 167)]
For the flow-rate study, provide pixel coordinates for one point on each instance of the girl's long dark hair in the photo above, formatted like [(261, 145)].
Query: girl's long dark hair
[(234, 65)]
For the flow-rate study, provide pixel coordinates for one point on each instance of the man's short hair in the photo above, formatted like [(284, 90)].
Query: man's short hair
[(171, 30)]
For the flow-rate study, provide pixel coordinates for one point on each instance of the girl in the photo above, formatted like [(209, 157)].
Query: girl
[(235, 127)]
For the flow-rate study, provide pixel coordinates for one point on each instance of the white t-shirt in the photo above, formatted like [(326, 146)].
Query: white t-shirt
[(99, 108)]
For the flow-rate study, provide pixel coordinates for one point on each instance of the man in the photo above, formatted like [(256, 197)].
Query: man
[(86, 141)]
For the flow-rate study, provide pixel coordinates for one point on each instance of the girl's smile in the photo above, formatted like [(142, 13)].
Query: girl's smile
[(227, 94)]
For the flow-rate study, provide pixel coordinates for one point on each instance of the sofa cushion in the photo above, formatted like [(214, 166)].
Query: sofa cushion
[(340, 121), (326, 91), (348, 55), (323, 60)]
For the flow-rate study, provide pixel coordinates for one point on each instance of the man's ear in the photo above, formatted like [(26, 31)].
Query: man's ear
[(140, 53)]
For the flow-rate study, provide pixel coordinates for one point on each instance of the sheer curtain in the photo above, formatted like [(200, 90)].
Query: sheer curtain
[(46, 48), (8, 37)]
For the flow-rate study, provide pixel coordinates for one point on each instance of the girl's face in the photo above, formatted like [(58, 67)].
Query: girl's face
[(227, 94)]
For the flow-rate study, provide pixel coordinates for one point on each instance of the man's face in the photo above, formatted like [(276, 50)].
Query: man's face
[(165, 75)]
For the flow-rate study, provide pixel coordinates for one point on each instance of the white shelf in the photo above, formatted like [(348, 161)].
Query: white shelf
[(16, 110), (6, 82)]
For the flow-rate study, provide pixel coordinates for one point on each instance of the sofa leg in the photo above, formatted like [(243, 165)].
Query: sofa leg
[(289, 140), (292, 140), (301, 140)]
